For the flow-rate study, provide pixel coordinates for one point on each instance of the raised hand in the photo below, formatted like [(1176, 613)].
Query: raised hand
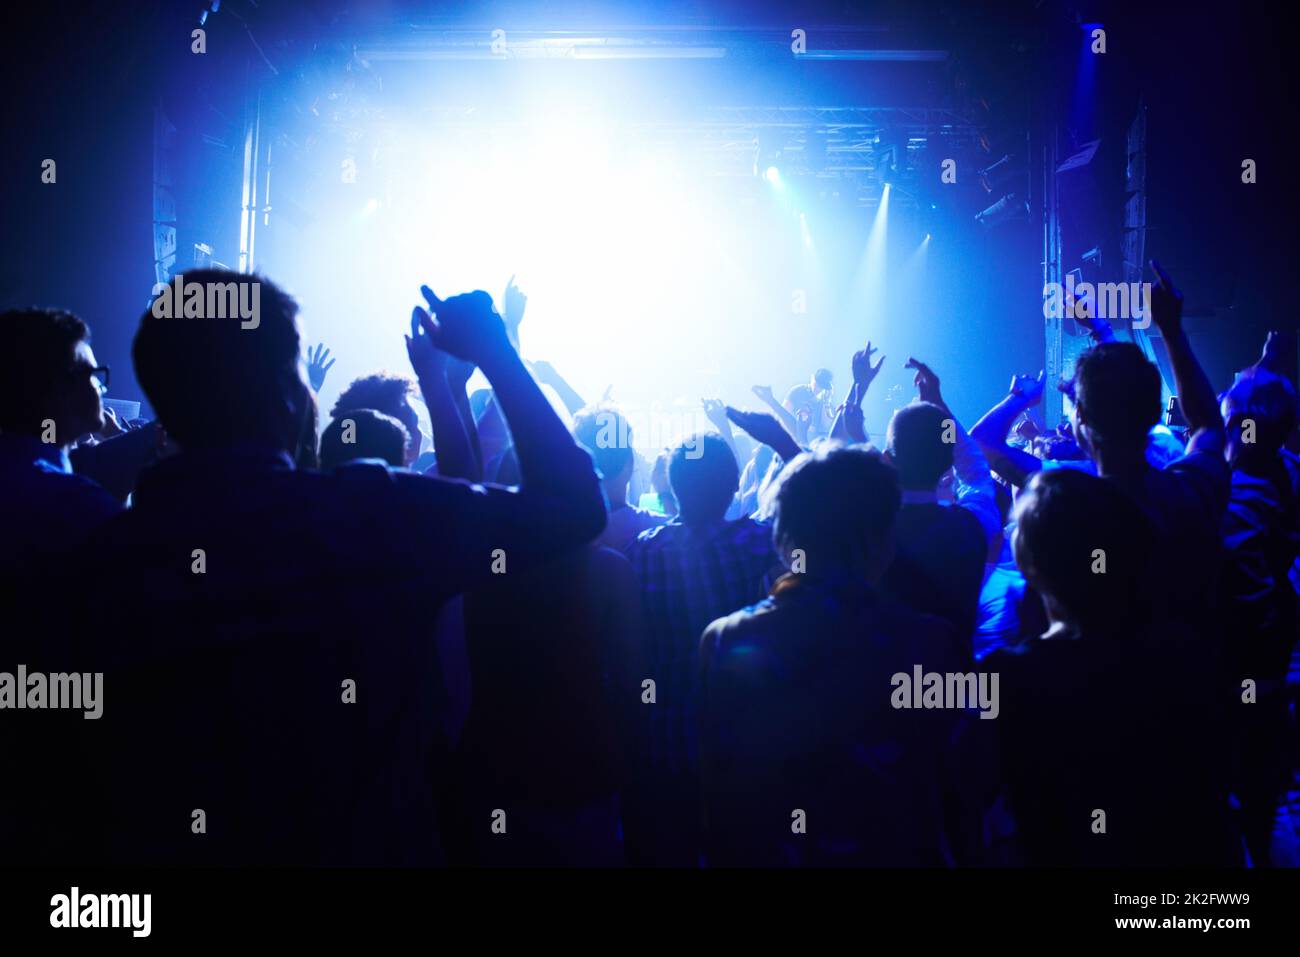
[(427, 361), (926, 382), (1278, 353), (864, 373), (513, 302), (467, 326), (767, 429), (1029, 388), (317, 366), (1166, 304), (716, 412), (112, 425), (764, 392)]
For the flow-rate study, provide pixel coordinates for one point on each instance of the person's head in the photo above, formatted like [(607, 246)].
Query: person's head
[(387, 393), (364, 434), (1259, 413), (920, 440), (704, 476), (1116, 401), (837, 506), (1084, 545), (220, 382), (47, 376), (822, 380), (604, 432)]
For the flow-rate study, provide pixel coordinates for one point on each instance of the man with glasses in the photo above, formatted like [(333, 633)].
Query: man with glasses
[(50, 389)]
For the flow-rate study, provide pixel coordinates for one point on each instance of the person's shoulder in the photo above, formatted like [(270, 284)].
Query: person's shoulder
[(1200, 465), (927, 633), (655, 536), (608, 564), (741, 627), (368, 476), (959, 525), (748, 527), (640, 519), (80, 494)]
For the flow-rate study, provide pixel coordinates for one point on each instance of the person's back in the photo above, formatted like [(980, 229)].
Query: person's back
[(691, 575), (808, 755), (691, 571), (939, 568), (277, 635), (1101, 724), (941, 548), (1112, 750), (551, 652), (265, 633), (797, 718)]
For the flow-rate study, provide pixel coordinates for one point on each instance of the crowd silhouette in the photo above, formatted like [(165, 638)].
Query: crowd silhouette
[(525, 643)]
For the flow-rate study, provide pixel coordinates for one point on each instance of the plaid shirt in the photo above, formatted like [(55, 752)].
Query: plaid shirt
[(691, 575)]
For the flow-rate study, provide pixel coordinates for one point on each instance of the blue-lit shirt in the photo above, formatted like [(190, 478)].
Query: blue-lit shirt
[(796, 712), (691, 575), (45, 509)]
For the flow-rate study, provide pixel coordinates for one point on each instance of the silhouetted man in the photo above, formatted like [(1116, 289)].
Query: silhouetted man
[(695, 568), (275, 694), (797, 712), (50, 389)]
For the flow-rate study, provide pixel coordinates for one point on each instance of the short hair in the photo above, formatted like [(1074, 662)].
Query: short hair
[(1117, 395), (216, 381), (1268, 400), (376, 436), (837, 503), (36, 349), (384, 392), (916, 443), (703, 476), (604, 432), (823, 376), (1068, 522)]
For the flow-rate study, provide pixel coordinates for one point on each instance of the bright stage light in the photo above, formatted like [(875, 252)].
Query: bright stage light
[(772, 175), (639, 271)]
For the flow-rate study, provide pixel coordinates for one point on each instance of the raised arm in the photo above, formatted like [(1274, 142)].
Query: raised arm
[(783, 415), (975, 490), (1196, 396), (558, 487), (456, 457), (545, 374), (990, 432), (768, 430)]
